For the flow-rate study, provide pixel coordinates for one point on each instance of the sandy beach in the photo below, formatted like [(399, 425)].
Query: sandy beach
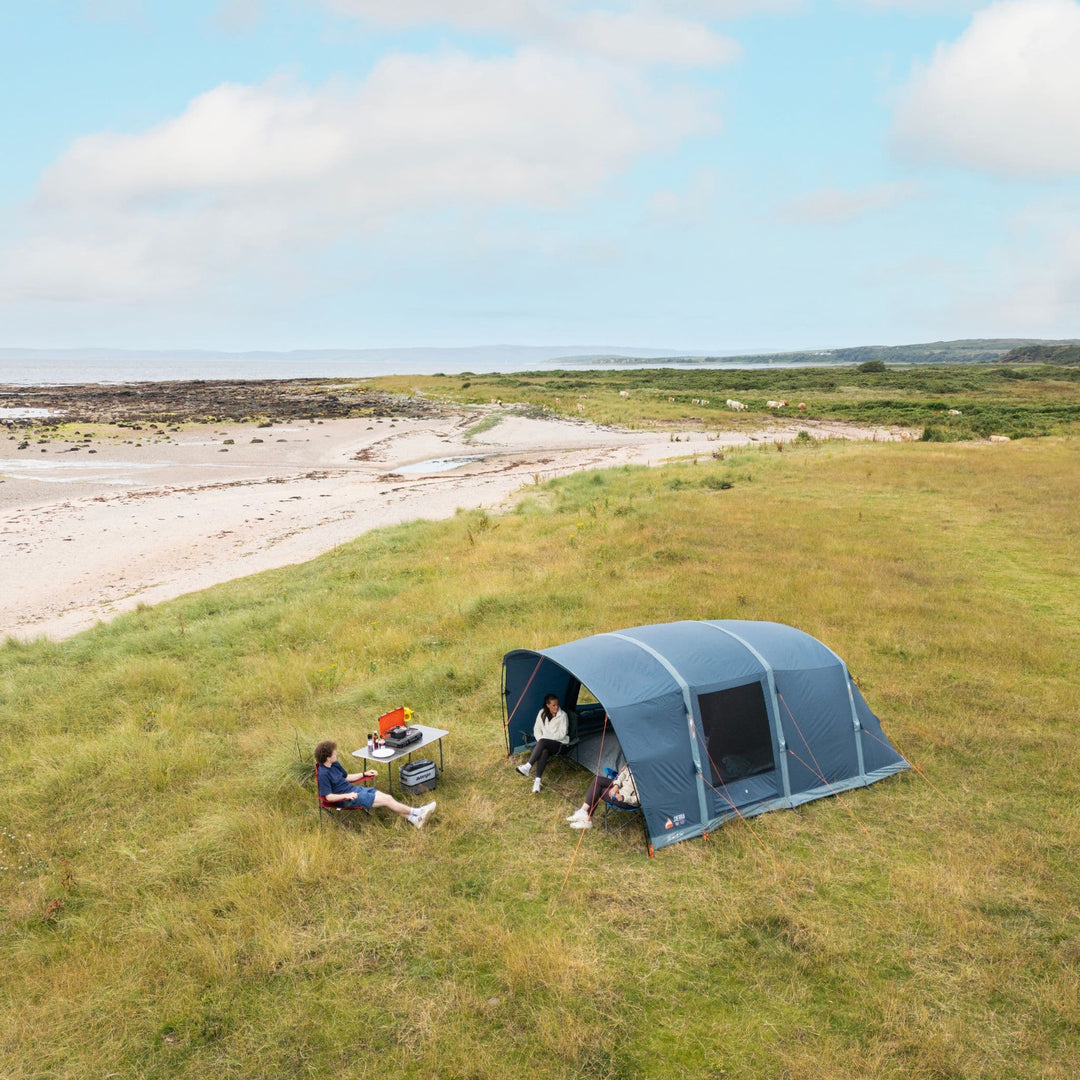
[(92, 528)]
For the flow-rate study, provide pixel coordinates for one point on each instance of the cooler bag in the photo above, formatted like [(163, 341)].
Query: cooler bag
[(418, 776)]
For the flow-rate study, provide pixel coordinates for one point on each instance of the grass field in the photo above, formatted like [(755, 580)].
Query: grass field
[(1017, 401), (171, 907)]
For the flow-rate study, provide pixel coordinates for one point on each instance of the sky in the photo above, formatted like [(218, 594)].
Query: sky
[(700, 175)]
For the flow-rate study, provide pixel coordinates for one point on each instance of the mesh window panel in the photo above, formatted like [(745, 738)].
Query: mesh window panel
[(736, 726)]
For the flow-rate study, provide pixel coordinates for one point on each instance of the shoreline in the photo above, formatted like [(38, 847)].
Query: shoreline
[(161, 511)]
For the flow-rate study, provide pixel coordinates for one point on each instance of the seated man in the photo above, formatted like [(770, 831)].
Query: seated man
[(337, 786)]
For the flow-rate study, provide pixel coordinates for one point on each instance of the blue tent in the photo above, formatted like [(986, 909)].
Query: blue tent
[(716, 719)]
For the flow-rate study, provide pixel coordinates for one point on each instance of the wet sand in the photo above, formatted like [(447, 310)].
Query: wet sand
[(87, 535)]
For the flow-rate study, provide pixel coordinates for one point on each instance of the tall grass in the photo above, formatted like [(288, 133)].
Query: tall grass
[(171, 907)]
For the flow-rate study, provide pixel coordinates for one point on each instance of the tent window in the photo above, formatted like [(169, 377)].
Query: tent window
[(586, 713), (737, 738), (585, 696)]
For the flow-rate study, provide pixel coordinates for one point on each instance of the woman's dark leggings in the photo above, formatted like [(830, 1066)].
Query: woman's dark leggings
[(542, 753), (597, 789)]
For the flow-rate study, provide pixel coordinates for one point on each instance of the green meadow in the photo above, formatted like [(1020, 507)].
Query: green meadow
[(172, 907), (1016, 401)]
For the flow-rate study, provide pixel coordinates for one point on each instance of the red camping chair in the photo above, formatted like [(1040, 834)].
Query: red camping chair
[(335, 810)]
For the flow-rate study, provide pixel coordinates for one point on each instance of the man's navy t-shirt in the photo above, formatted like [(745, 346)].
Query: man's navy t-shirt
[(332, 781)]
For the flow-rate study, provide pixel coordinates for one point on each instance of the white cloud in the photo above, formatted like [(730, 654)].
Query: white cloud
[(922, 7), (645, 39), (520, 16), (254, 176), (238, 16), (231, 137), (1005, 97), (689, 206), (640, 34), (1038, 270), (835, 206), (115, 10), (731, 9)]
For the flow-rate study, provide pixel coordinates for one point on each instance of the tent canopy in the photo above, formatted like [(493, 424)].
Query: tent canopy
[(716, 719)]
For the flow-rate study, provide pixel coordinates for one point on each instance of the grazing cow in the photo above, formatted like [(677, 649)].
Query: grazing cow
[(738, 406), (801, 406), (624, 393), (955, 412), (775, 404)]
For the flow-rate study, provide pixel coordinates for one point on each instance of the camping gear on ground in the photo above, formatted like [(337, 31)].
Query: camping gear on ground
[(718, 719), (400, 737), (419, 776)]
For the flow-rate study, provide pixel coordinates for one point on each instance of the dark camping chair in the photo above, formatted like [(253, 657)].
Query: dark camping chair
[(335, 810), (617, 815), (569, 750)]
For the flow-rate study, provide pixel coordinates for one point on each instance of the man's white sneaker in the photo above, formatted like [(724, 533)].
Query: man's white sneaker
[(581, 823), (421, 814), (536, 785), (578, 815), (524, 769)]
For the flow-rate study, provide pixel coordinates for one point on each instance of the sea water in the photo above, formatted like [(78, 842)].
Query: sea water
[(67, 367)]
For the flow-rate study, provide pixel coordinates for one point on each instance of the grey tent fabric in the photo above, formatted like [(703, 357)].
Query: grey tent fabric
[(717, 719)]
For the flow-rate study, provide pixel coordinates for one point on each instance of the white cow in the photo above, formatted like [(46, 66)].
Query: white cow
[(738, 406), (775, 404)]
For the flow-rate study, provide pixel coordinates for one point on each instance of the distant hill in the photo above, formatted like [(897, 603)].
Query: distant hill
[(1046, 353), (966, 351)]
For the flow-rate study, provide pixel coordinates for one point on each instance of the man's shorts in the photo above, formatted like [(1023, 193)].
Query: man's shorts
[(365, 797)]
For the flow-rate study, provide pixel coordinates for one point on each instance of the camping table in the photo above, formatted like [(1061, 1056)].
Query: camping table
[(429, 737)]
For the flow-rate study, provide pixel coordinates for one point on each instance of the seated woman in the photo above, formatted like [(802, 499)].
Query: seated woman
[(552, 732), (620, 790)]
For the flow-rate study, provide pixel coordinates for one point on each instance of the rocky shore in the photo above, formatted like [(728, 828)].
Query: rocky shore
[(202, 401)]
